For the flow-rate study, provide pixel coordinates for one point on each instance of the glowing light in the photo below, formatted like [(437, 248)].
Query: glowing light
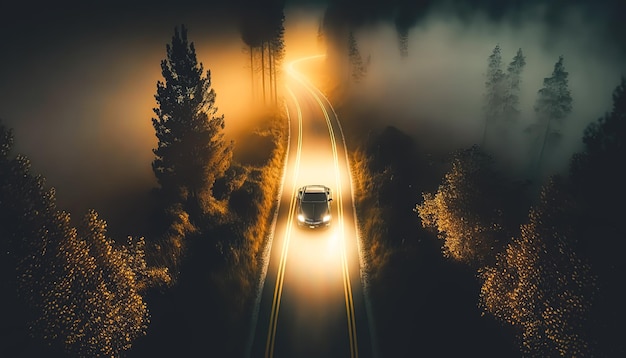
[(314, 265)]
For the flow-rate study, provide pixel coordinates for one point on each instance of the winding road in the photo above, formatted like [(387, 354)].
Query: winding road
[(312, 301)]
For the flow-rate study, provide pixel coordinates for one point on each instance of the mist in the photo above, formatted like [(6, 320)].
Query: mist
[(435, 93), (79, 97), (79, 91)]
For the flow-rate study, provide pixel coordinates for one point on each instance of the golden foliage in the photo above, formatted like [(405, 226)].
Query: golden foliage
[(461, 210), (540, 285), (88, 289)]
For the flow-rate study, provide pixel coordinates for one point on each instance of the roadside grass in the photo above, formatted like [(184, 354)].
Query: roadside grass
[(370, 215)]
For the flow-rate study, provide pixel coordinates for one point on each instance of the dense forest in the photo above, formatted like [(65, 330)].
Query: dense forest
[(71, 289), (468, 256), (536, 250), (498, 252)]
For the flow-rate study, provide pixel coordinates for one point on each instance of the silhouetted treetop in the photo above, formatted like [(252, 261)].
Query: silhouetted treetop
[(597, 171), (554, 100), (260, 20), (191, 152), (598, 180), (514, 79)]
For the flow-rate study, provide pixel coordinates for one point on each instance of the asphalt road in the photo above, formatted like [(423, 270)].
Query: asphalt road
[(313, 302)]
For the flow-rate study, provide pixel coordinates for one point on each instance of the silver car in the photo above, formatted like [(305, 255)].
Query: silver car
[(313, 207)]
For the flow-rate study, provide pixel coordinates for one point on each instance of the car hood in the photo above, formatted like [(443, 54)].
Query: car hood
[(314, 211)]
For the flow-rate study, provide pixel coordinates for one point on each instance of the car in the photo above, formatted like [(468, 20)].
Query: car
[(313, 206)]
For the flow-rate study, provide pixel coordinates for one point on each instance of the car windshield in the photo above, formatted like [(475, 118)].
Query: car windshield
[(315, 211), (311, 197)]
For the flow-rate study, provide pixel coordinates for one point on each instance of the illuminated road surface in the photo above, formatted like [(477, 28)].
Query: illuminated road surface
[(312, 303)]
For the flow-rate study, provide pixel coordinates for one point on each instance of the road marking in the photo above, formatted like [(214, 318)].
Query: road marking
[(271, 334), (354, 353)]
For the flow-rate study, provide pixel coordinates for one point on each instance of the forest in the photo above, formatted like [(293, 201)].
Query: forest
[(468, 254), (75, 290)]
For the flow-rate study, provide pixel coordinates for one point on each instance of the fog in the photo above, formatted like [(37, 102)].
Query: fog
[(435, 93), (79, 98), (79, 91)]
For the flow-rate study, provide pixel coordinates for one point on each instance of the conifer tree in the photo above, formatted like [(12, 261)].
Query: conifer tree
[(192, 152), (494, 92), (358, 67), (594, 170), (262, 30), (553, 105), (514, 71)]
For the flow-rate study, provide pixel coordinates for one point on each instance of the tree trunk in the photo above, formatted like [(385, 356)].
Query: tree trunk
[(270, 59), (251, 72), (263, 68)]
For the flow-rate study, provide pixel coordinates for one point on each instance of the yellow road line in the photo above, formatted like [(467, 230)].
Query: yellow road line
[(346, 276), (278, 289)]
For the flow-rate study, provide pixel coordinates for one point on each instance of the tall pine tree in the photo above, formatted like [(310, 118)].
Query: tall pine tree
[(513, 74), (494, 92), (192, 152), (553, 105), (358, 67)]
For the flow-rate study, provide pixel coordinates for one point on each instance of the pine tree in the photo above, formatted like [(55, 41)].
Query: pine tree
[(357, 65), (553, 105), (262, 30), (605, 145), (277, 50), (513, 76), (192, 152), (494, 92)]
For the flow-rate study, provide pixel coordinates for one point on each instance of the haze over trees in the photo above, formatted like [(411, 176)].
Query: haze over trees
[(514, 76), (358, 67), (262, 30), (553, 105), (501, 98), (554, 281)]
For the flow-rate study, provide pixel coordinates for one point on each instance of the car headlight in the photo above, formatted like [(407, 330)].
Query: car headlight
[(326, 218), (301, 218)]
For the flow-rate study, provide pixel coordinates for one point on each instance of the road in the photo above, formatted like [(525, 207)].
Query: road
[(313, 302)]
